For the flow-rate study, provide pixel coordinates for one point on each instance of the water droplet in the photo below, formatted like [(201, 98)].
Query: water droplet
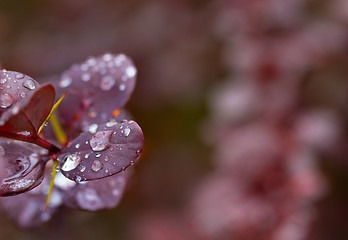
[(84, 67), (100, 140), (107, 57), (15, 110), (83, 168), (126, 131), (106, 170), (86, 77), (4, 80), (77, 145), (6, 100), (65, 81), (87, 155), (131, 71), (71, 162), (93, 128), (30, 84), (106, 158), (2, 151), (91, 61), (77, 178), (98, 155), (119, 60), (22, 94), (122, 87), (19, 76), (111, 123), (97, 165), (107, 83)]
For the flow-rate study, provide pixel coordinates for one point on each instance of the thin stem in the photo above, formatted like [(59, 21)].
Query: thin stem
[(35, 139)]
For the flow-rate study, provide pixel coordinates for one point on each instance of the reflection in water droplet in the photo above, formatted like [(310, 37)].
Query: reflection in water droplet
[(22, 94), (77, 145), (107, 83), (65, 81), (100, 140), (97, 165), (6, 100), (30, 84), (71, 162)]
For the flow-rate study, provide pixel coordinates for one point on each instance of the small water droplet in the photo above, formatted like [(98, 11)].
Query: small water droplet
[(100, 140), (126, 131), (22, 94), (30, 84), (6, 100), (83, 168), (97, 165), (98, 155), (107, 57), (106, 170), (122, 87), (107, 83), (77, 145), (15, 110), (77, 178), (2, 151), (65, 81), (71, 161), (86, 77), (87, 155), (111, 123), (19, 76), (131, 71), (93, 128)]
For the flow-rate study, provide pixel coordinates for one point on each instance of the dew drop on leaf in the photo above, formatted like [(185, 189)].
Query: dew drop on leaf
[(71, 162), (107, 83), (97, 165), (30, 84), (65, 82), (100, 140), (6, 100)]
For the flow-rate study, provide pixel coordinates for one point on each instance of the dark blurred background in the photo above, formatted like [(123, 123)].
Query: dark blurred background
[(243, 104)]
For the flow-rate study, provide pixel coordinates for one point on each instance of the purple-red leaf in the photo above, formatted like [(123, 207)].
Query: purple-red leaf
[(22, 168), (95, 89), (29, 113), (104, 150)]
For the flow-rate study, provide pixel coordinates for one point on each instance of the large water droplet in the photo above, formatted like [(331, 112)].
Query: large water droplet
[(30, 84), (6, 100), (71, 162), (107, 83), (97, 165), (100, 140), (65, 81)]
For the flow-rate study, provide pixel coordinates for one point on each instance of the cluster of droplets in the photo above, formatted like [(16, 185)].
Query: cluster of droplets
[(14, 86), (108, 67)]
